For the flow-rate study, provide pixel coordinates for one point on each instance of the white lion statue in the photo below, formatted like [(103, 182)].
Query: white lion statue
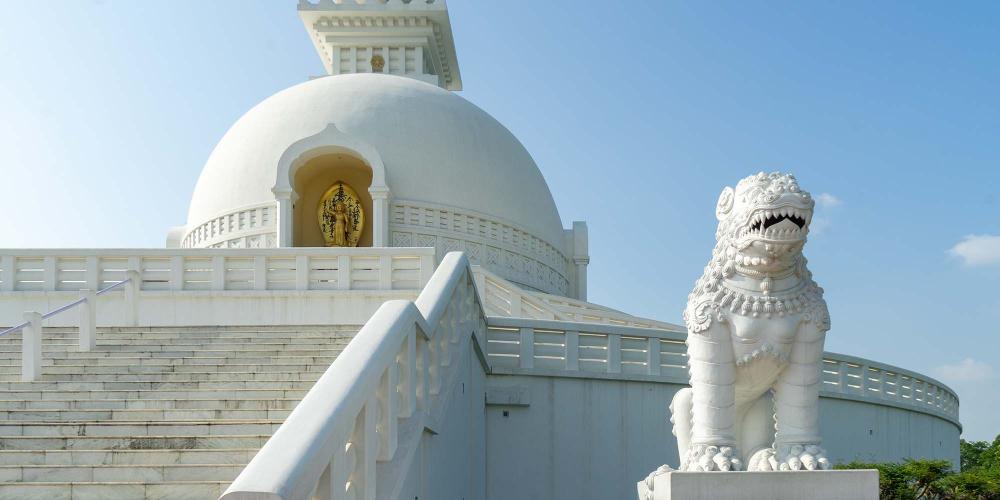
[(756, 323)]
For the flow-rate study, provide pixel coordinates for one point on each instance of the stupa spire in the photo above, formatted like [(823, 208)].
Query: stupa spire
[(401, 37)]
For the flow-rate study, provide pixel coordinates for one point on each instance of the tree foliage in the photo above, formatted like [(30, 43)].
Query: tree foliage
[(979, 478)]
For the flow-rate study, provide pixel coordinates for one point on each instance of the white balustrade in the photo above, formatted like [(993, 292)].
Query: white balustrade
[(393, 370), (218, 269), (548, 348)]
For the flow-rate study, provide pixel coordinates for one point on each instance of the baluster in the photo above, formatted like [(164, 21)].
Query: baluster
[(388, 411), (527, 348), (614, 353), (841, 377), (441, 337), (325, 486), (424, 371), (572, 350), (343, 467), (366, 449), (433, 368), (408, 374), (653, 356)]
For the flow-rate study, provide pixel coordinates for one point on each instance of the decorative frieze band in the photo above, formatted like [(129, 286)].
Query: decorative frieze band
[(250, 227), (507, 250)]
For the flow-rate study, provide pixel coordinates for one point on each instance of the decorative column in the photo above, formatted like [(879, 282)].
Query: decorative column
[(581, 257), (286, 201), (380, 216)]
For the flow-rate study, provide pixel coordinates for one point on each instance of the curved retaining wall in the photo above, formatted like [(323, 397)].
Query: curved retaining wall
[(585, 407)]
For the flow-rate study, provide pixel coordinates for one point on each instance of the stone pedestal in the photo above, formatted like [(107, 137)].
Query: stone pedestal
[(794, 485)]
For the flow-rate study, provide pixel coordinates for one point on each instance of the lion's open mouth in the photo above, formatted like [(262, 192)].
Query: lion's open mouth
[(784, 220)]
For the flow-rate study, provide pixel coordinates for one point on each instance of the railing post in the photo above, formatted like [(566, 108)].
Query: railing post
[(177, 273), (218, 272), (302, 272), (527, 348), (260, 272), (7, 272), (344, 272), (572, 351), (653, 356), (385, 272), (88, 321), (132, 297), (31, 347), (49, 274), (614, 353)]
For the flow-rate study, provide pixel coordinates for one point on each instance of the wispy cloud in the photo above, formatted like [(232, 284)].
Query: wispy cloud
[(821, 220), (827, 200), (967, 370), (978, 250)]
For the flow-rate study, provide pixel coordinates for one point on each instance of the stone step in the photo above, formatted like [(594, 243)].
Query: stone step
[(235, 357), (231, 456), (208, 490), (111, 415), (65, 356), (118, 473), (151, 404), (111, 443), (228, 367), (171, 377), (160, 344), (139, 386), (99, 395), (158, 428)]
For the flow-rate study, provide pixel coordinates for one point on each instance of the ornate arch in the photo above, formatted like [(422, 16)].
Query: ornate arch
[(330, 140)]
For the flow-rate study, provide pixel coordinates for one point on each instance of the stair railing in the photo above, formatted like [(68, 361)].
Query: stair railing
[(31, 336), (397, 367)]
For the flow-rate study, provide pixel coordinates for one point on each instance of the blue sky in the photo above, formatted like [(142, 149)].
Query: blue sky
[(638, 113)]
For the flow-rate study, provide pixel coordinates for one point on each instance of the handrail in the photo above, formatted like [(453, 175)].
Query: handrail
[(67, 306), (396, 367)]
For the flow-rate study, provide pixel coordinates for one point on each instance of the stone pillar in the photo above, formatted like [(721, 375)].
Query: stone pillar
[(285, 217), (380, 217), (581, 258)]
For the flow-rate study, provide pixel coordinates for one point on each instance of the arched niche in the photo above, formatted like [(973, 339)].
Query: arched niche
[(312, 180), (330, 142)]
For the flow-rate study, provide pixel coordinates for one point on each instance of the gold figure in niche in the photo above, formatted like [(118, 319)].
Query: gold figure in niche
[(340, 215)]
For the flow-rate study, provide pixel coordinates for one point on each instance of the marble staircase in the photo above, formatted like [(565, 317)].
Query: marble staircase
[(151, 412)]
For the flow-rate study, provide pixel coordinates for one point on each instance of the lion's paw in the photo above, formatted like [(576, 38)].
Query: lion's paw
[(712, 458), (789, 457)]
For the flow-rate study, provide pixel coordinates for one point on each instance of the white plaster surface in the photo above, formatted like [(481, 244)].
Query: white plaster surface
[(436, 147), (584, 438), (816, 485)]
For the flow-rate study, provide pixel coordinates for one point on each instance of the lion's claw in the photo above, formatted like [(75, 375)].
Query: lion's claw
[(789, 457), (712, 458)]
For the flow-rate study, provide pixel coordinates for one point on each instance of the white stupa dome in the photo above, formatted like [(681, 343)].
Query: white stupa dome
[(438, 151)]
